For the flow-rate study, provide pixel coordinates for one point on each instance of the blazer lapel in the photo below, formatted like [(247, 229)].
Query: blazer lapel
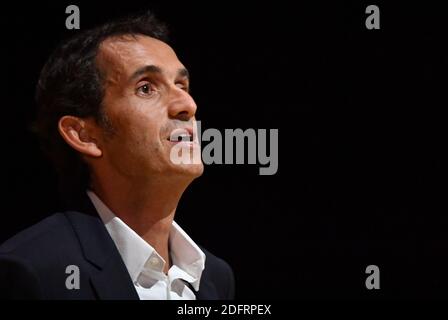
[(207, 289), (113, 283), (110, 279)]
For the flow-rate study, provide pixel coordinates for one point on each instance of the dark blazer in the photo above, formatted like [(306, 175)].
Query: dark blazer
[(33, 263)]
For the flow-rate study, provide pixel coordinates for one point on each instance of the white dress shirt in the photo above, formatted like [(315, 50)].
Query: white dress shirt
[(145, 265)]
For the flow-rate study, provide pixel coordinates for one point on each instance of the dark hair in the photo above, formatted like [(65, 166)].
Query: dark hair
[(70, 83)]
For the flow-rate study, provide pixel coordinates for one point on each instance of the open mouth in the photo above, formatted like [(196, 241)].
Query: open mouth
[(181, 135)]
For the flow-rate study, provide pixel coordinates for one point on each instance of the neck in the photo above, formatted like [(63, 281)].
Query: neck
[(148, 208)]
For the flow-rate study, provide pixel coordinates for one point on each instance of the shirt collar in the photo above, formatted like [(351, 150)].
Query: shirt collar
[(136, 252)]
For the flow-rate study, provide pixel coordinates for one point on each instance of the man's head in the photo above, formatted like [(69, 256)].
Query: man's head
[(110, 98)]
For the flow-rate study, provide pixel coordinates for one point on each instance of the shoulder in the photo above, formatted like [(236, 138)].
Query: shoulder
[(25, 255), (33, 263), (38, 236)]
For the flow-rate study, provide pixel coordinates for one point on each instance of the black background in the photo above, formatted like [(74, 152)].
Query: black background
[(361, 121)]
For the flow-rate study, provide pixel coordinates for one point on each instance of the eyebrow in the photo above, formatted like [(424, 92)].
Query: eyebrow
[(145, 69), (182, 72)]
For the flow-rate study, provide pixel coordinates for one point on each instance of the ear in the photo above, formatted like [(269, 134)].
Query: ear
[(75, 132)]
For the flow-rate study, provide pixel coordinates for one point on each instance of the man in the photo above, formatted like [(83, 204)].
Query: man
[(113, 103)]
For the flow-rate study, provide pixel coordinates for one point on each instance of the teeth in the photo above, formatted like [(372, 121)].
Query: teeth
[(182, 137), (180, 134)]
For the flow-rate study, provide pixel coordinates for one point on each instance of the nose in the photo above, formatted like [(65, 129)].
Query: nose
[(182, 105)]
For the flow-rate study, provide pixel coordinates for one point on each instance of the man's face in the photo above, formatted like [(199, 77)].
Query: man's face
[(146, 99)]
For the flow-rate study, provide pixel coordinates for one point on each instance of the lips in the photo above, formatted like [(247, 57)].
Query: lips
[(181, 135)]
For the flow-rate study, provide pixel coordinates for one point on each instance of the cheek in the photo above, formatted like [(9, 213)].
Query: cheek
[(138, 126), (143, 137), (143, 133)]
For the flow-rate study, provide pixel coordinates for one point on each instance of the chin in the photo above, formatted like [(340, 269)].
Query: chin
[(190, 170), (187, 161)]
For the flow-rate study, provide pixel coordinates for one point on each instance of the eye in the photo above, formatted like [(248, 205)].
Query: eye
[(145, 90), (182, 86)]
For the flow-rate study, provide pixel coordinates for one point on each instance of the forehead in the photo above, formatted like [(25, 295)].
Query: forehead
[(125, 54)]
